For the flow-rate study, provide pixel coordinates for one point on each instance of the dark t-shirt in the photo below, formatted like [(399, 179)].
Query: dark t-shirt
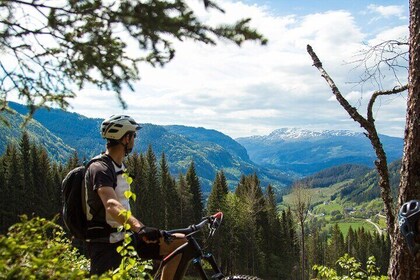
[(101, 174)]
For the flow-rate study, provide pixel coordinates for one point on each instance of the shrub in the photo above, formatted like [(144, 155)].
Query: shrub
[(38, 249), (352, 268)]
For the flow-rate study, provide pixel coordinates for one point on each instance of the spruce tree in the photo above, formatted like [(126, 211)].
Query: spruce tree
[(170, 203), (290, 252), (3, 199), (195, 189), (272, 244), (15, 204), (153, 215), (38, 180), (217, 198), (336, 247), (217, 202), (25, 165), (43, 195), (186, 211), (135, 168)]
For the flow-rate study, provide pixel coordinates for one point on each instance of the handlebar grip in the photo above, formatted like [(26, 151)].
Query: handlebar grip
[(218, 215)]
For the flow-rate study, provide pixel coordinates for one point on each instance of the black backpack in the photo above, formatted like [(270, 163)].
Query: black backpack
[(72, 188)]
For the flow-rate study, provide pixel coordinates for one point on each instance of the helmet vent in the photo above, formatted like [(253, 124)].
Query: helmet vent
[(113, 130)]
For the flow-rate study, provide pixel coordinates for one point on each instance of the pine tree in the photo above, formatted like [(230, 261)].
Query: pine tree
[(217, 198), (37, 174), (336, 248), (43, 195), (195, 189), (25, 166), (152, 193), (73, 162), (272, 245), (135, 168), (170, 205), (14, 179), (57, 176), (290, 248), (250, 194), (139, 187), (186, 211), (217, 203), (3, 199)]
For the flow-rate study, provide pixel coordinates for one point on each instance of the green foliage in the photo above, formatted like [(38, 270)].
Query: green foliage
[(254, 238), (88, 44), (38, 249), (336, 174), (131, 266), (365, 188), (352, 270)]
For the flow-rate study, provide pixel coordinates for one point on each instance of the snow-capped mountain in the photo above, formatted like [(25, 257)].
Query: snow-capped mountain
[(304, 151), (299, 134)]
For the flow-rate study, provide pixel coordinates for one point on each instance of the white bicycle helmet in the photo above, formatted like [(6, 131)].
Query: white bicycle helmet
[(117, 126)]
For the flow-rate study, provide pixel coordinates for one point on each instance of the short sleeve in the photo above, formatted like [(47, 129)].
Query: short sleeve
[(101, 175)]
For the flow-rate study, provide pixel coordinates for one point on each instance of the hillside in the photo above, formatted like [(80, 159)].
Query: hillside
[(210, 150), (334, 175), (365, 188), (38, 134), (305, 152)]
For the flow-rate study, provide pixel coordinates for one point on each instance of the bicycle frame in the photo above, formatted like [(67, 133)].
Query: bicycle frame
[(192, 252)]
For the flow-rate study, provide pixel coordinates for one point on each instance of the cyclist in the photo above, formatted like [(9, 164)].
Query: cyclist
[(409, 223), (105, 201)]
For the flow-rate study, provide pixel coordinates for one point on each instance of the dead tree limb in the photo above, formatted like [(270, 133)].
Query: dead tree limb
[(369, 125)]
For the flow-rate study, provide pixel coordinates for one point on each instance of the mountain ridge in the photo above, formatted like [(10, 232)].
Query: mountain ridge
[(281, 157), (210, 150), (304, 152)]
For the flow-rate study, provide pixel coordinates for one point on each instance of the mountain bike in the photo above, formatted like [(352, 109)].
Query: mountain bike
[(193, 252)]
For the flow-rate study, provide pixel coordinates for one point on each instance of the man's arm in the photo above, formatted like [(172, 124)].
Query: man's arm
[(114, 208)]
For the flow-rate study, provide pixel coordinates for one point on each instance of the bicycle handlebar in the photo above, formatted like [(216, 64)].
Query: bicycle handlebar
[(193, 228)]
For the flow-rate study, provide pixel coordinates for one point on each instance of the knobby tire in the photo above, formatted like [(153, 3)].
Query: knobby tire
[(241, 277)]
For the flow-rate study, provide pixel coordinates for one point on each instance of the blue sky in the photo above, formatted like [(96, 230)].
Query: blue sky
[(255, 89)]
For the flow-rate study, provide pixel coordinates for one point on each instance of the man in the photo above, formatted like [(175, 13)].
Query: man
[(105, 201)]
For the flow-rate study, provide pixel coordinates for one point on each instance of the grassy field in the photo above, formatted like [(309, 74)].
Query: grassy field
[(324, 207), (355, 224)]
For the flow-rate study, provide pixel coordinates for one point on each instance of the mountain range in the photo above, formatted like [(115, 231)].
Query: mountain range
[(278, 158), (304, 152)]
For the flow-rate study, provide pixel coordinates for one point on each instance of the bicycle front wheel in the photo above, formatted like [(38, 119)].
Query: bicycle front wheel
[(241, 277)]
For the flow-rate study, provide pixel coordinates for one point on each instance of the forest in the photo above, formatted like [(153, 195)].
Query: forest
[(255, 238)]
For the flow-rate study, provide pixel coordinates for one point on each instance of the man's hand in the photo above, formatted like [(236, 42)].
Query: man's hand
[(150, 234)]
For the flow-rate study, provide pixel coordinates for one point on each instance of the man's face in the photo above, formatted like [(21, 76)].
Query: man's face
[(130, 143)]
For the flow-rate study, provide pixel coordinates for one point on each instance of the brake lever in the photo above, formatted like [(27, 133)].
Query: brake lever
[(167, 237)]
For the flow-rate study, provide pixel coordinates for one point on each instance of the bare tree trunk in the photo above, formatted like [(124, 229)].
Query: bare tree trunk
[(302, 228), (368, 124), (402, 265), (301, 201)]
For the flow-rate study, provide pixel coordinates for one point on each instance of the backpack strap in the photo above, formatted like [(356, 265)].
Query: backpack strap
[(107, 159), (100, 231)]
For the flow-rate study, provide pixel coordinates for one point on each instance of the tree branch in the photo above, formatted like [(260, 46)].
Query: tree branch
[(372, 134), (354, 114), (379, 93)]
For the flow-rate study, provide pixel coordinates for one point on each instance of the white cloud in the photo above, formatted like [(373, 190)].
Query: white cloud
[(253, 89), (388, 11)]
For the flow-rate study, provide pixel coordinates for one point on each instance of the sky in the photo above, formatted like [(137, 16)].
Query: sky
[(254, 89)]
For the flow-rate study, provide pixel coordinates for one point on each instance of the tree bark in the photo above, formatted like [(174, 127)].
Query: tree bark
[(402, 265)]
